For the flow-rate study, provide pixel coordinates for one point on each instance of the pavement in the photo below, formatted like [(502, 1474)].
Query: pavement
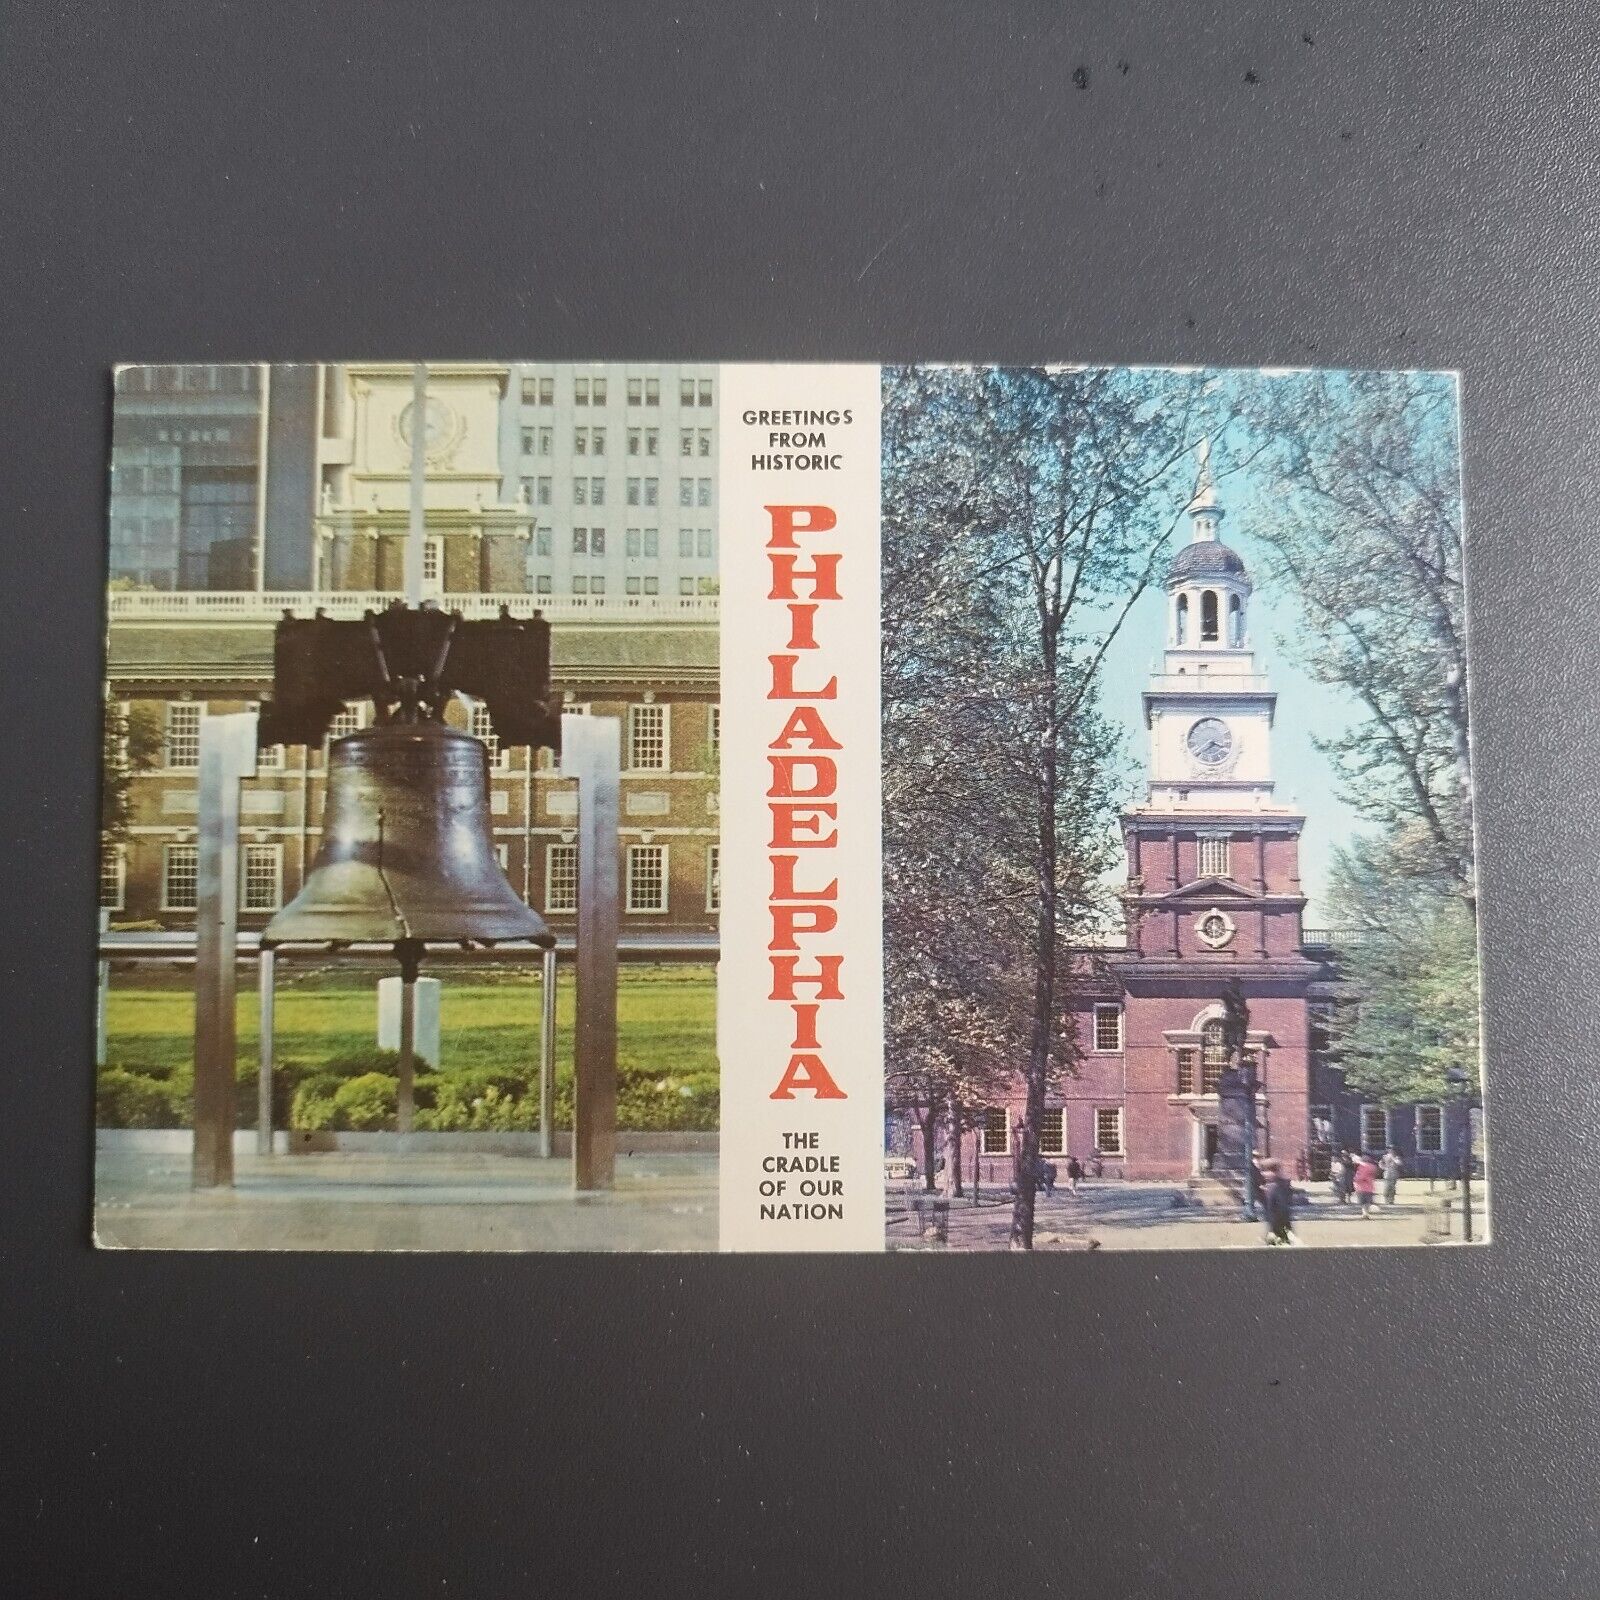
[(1118, 1215), (418, 1200)]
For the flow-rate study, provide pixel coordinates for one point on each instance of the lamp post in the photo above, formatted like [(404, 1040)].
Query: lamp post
[(1460, 1082)]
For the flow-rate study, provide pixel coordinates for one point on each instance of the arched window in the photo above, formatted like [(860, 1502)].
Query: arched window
[(1213, 1055), (1208, 617), (1180, 623), (1235, 622)]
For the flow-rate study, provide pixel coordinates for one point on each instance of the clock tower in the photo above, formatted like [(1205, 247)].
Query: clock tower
[(1213, 899)]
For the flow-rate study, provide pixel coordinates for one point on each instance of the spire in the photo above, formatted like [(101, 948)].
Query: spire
[(1203, 507)]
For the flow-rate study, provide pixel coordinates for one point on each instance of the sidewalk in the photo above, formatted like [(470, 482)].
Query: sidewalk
[(1117, 1215), (419, 1200)]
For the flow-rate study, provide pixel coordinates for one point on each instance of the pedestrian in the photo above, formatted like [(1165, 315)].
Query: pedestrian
[(1048, 1171), (1392, 1168), (1365, 1184), (1278, 1205), (1074, 1174), (1336, 1171)]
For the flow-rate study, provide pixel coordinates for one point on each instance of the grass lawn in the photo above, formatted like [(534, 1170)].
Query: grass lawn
[(666, 1028)]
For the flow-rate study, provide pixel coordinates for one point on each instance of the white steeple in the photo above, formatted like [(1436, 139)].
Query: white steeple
[(1205, 510)]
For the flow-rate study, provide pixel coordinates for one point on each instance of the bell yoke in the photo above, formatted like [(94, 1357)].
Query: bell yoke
[(407, 858)]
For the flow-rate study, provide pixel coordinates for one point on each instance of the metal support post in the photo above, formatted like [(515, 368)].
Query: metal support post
[(227, 754), (102, 997), (267, 995), (1466, 1167), (409, 953), (547, 1055), (591, 750), (415, 527)]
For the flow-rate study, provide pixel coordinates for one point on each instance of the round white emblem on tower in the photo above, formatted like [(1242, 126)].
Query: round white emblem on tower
[(1214, 929)]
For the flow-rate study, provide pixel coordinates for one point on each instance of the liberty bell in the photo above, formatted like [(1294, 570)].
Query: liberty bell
[(407, 858)]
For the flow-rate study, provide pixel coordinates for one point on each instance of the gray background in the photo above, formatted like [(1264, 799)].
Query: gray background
[(1365, 184)]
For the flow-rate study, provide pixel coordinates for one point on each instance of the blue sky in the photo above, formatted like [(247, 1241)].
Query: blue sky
[(1305, 778)]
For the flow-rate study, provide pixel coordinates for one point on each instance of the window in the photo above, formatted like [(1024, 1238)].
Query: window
[(527, 441), (652, 584), (432, 560), (652, 391), (1235, 622), (1211, 858), (1185, 1071), (1430, 1128), (580, 585), (561, 877), (483, 728), (633, 491), (599, 386), (647, 877), (703, 547), (1052, 1133), (1107, 1029), (685, 543), (705, 441), (631, 586), (538, 391), (597, 541), (183, 733), (702, 492), (996, 1131), (705, 391), (580, 541), (543, 585), (597, 584), (1108, 1130), (262, 868), (685, 441), (633, 441), (541, 491), (714, 731), (598, 435), (580, 491), (652, 441), (1208, 617), (713, 877), (180, 871), (685, 491), (502, 857), (580, 441), (113, 876), (1374, 1128), (580, 391), (686, 391), (652, 543), (631, 542), (652, 491), (597, 491), (647, 738), (347, 721), (635, 391), (542, 542), (1213, 1055), (686, 586), (547, 440), (1180, 622)]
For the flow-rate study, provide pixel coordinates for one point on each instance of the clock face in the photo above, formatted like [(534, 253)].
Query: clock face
[(1210, 740), (436, 424)]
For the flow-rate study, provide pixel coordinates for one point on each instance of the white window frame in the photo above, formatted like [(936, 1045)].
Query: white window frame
[(114, 857), (1098, 1048), (714, 734), (167, 852), (629, 902), (713, 877), (1121, 1134), (1367, 1147), (433, 560), (566, 852), (635, 716), (188, 709), (1059, 1148), (1416, 1131), (986, 1132), (356, 713), (1211, 856), (482, 729), (272, 853)]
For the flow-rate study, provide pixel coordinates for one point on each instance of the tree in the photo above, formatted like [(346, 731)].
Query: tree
[(131, 743), (1412, 968), (1025, 512), (1366, 529)]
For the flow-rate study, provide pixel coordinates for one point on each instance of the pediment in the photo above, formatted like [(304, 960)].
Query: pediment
[(1208, 889)]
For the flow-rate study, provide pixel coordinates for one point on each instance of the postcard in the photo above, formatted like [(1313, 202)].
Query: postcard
[(640, 806)]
